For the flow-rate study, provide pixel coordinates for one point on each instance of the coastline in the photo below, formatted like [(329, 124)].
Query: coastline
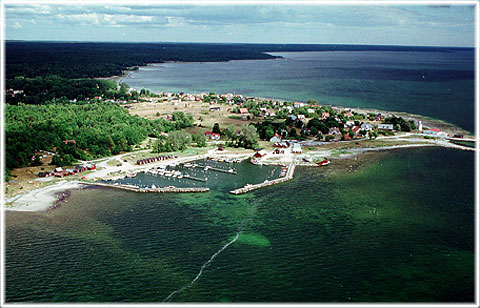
[(426, 120), (40, 199), (44, 198)]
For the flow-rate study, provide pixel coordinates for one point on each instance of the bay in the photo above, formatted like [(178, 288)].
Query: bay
[(400, 228), (437, 84)]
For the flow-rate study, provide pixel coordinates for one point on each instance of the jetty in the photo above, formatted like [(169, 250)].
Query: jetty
[(247, 188), (187, 176), (205, 167), (150, 189)]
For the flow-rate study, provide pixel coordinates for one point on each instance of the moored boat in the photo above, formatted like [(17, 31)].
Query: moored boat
[(324, 162)]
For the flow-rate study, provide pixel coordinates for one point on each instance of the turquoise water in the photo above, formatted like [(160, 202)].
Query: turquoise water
[(435, 84), (400, 228)]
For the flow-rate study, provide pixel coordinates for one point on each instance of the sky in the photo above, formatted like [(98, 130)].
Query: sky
[(418, 25)]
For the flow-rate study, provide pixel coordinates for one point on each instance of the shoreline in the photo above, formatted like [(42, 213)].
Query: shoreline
[(52, 196), (41, 199), (427, 120)]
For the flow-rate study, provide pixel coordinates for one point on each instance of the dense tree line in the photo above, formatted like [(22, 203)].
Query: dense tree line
[(40, 90), (89, 60), (401, 124), (99, 129)]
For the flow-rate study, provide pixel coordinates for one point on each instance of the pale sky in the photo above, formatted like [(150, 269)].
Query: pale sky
[(421, 25)]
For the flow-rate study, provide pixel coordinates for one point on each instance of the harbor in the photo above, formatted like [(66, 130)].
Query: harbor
[(249, 187), (153, 189)]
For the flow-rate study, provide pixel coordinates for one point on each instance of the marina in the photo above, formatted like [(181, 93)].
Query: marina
[(249, 187), (153, 189)]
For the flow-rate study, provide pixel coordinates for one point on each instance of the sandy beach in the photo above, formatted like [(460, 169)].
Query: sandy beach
[(39, 199), (43, 198)]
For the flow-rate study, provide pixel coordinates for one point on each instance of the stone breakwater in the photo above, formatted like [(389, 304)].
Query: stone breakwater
[(247, 188), (152, 190)]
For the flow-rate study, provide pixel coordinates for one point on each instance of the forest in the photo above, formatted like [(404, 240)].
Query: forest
[(90, 60), (99, 129)]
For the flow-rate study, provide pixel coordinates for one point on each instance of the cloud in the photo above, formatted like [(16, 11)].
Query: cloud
[(105, 19), (16, 25)]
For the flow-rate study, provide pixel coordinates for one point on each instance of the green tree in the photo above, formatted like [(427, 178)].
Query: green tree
[(216, 128), (200, 140)]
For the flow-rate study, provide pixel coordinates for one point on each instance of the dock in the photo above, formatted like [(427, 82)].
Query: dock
[(247, 188), (229, 171), (186, 176), (151, 190)]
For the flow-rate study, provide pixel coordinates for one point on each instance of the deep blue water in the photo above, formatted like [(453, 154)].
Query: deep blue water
[(437, 84)]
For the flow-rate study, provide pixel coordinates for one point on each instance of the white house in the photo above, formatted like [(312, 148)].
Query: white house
[(366, 126), (297, 148), (385, 126), (276, 138)]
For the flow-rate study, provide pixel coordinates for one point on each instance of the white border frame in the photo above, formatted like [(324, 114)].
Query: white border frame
[(240, 2)]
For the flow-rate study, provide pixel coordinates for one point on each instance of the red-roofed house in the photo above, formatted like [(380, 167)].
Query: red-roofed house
[(276, 138), (434, 132)]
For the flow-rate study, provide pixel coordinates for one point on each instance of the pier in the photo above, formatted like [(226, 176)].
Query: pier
[(204, 167), (186, 176), (150, 189), (247, 188)]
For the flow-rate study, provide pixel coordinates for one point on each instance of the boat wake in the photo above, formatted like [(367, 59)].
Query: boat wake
[(203, 267)]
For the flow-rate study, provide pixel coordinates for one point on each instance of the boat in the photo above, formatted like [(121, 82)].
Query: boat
[(255, 162), (324, 162)]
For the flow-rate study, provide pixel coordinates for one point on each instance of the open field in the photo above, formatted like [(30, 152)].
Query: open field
[(199, 111)]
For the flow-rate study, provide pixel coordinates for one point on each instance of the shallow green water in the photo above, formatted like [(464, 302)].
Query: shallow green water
[(398, 229)]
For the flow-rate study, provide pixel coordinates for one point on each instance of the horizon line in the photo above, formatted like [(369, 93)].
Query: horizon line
[(235, 43)]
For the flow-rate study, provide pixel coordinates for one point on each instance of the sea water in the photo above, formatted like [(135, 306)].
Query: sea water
[(394, 226), (437, 84)]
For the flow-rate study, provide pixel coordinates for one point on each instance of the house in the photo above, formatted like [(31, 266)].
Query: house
[(348, 114), (269, 113), (347, 137), (366, 126), (302, 118), (298, 104), (334, 131), (297, 148), (434, 132), (69, 141), (260, 153), (325, 115), (243, 110), (276, 138), (356, 130), (350, 124), (310, 110), (59, 172), (213, 136), (385, 126)]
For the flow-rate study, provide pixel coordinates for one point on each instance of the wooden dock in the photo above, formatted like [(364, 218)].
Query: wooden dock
[(187, 176), (151, 190), (229, 171), (246, 189)]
